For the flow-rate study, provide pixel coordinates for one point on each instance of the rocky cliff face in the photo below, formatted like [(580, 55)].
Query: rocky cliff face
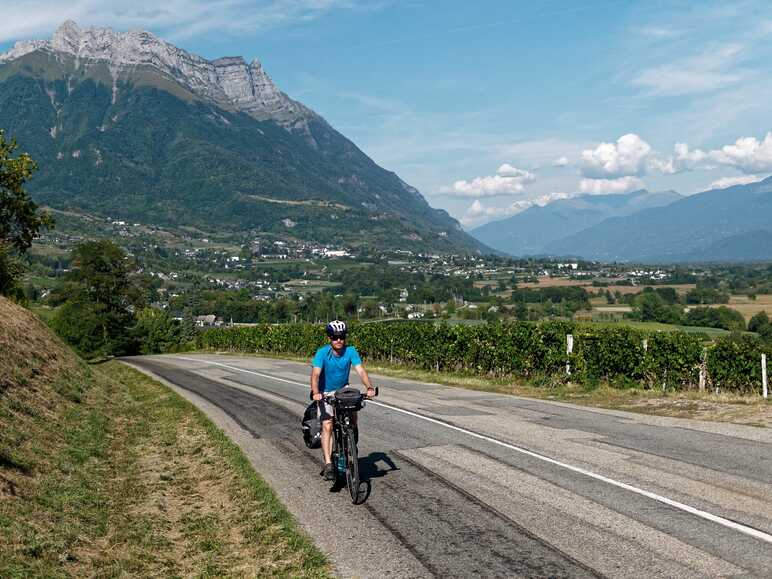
[(229, 82), (127, 125)]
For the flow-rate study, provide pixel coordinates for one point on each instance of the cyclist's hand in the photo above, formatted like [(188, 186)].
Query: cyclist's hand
[(370, 392), (318, 396)]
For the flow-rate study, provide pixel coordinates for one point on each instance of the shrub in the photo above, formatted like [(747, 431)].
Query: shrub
[(720, 317), (672, 360), (155, 331), (734, 362)]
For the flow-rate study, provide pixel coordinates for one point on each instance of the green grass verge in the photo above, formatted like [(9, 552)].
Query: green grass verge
[(121, 476)]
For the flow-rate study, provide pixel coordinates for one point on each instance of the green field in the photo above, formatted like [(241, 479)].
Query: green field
[(658, 327)]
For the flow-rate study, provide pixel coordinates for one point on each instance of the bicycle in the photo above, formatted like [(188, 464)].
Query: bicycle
[(346, 402)]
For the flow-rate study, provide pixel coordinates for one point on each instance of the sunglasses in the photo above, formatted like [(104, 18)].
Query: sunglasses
[(338, 337)]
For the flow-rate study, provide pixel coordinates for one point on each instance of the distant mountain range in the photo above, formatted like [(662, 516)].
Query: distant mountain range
[(732, 224), (533, 230), (717, 225), (127, 125)]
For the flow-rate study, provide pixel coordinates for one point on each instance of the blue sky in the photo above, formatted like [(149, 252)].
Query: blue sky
[(490, 106)]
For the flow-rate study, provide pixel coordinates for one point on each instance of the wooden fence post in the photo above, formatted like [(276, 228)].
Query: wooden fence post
[(569, 350), (703, 369), (764, 391)]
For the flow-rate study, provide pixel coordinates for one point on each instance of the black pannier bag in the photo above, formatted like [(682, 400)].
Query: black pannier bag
[(349, 399), (312, 426)]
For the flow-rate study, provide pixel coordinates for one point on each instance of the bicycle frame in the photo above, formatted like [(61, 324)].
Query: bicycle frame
[(345, 447)]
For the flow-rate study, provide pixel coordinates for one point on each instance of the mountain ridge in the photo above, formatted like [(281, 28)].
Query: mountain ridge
[(124, 138), (530, 231), (228, 80), (686, 230)]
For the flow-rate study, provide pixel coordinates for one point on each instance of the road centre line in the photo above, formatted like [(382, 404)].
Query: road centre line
[(750, 531)]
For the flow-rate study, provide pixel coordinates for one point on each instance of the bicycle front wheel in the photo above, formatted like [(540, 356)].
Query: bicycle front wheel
[(352, 466)]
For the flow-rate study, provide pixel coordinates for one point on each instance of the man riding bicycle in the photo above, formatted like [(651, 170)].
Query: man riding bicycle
[(330, 372)]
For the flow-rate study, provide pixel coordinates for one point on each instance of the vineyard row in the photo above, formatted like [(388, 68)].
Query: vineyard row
[(673, 360)]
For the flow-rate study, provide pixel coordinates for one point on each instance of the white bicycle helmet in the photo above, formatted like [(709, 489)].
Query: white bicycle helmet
[(336, 327)]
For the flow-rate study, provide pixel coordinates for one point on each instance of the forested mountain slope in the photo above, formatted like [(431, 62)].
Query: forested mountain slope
[(721, 224), (133, 127)]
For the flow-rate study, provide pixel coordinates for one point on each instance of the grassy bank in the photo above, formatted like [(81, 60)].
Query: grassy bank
[(106, 472)]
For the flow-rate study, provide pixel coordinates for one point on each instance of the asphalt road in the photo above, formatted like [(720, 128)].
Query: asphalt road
[(465, 483)]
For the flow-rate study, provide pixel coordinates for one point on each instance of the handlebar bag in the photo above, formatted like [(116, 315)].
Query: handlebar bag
[(349, 399), (312, 426)]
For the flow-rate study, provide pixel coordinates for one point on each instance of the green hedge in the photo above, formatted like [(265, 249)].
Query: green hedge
[(523, 349)]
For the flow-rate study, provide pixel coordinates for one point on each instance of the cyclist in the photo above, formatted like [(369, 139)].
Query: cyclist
[(330, 370)]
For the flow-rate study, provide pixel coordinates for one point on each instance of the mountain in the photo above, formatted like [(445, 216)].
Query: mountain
[(531, 231), (750, 246), (718, 225), (130, 126)]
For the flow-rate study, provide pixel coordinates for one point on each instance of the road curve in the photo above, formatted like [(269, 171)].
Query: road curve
[(465, 483)]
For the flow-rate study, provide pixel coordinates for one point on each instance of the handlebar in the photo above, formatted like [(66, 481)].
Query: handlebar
[(311, 395)]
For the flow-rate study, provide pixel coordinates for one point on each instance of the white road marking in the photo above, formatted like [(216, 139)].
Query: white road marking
[(755, 533)]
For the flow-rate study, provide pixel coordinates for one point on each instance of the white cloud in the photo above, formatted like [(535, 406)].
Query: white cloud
[(507, 170), (747, 154), (477, 214), (542, 200), (28, 19), (626, 157), (714, 69), (508, 180), (560, 162), (682, 160), (725, 182), (610, 186)]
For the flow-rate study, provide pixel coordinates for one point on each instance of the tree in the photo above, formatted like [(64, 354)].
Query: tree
[(758, 321), (156, 332), (20, 218), (91, 328), (96, 318), (720, 317), (102, 269), (11, 270), (761, 324), (650, 306)]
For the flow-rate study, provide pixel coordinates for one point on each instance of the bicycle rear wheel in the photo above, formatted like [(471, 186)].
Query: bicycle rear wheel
[(352, 466)]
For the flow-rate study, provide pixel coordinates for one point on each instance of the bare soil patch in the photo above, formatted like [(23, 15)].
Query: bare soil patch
[(749, 413)]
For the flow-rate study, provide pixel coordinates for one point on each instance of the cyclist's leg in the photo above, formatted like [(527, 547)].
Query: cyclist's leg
[(326, 415), (327, 441)]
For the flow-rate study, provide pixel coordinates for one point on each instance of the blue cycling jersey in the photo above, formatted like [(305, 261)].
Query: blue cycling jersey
[(335, 369)]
